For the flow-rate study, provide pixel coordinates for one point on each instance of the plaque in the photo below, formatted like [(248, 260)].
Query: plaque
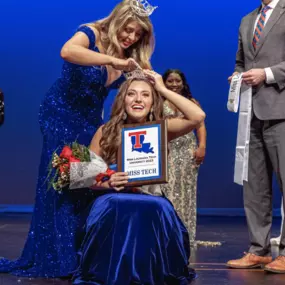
[(143, 153)]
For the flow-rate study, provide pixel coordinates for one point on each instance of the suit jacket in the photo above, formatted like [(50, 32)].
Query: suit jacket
[(268, 99)]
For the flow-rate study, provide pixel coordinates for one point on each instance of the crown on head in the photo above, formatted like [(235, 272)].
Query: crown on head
[(142, 7), (136, 74)]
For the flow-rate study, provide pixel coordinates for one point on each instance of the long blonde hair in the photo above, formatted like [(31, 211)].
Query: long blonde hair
[(111, 131), (110, 26)]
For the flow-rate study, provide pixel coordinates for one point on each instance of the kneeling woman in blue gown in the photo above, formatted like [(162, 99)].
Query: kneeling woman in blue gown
[(95, 58), (136, 238)]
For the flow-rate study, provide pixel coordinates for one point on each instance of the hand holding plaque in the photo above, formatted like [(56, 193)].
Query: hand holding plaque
[(143, 153)]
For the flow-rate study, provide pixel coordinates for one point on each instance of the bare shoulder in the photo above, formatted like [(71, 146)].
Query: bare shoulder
[(95, 143), (99, 131)]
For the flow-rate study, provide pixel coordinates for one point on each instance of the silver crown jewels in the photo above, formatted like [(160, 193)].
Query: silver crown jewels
[(142, 7), (135, 74)]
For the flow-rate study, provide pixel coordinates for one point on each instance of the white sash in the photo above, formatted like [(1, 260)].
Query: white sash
[(243, 93)]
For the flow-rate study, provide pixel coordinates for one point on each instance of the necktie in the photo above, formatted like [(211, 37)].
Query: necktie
[(260, 26)]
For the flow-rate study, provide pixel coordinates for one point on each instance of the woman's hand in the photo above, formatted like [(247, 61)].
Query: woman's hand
[(156, 79), (118, 180), (125, 64), (199, 155)]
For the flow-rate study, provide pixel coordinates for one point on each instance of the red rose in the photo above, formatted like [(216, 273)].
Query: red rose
[(66, 152), (64, 167), (73, 159)]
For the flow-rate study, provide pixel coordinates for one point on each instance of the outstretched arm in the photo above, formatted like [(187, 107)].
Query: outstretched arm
[(76, 50)]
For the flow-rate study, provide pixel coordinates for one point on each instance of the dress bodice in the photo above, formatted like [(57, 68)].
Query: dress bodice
[(74, 103)]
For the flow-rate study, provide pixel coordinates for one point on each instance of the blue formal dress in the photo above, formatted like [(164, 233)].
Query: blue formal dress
[(71, 110), (134, 239)]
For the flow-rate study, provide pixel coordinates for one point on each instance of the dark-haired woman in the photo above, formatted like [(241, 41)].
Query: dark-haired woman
[(186, 154)]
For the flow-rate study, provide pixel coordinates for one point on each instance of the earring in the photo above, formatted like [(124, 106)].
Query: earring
[(151, 116), (125, 116)]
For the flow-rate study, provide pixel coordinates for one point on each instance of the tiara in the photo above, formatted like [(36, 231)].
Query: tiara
[(142, 7), (136, 74)]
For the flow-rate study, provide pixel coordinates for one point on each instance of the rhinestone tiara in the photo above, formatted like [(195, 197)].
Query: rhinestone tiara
[(142, 7), (136, 74)]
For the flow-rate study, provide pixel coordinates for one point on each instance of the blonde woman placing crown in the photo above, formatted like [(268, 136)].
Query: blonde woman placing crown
[(125, 37), (94, 60)]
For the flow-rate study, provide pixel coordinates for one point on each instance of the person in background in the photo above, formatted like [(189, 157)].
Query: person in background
[(261, 60), (186, 154)]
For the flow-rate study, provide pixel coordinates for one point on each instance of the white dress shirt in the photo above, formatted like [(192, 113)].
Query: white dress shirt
[(269, 74)]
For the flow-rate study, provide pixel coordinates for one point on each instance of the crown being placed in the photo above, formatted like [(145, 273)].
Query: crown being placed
[(136, 74), (142, 7)]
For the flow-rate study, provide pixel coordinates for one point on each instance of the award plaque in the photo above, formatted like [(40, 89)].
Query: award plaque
[(143, 153)]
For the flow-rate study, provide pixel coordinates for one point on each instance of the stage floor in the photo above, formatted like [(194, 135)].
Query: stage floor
[(209, 262)]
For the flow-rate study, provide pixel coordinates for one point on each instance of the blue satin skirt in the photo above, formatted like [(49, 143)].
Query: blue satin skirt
[(134, 239)]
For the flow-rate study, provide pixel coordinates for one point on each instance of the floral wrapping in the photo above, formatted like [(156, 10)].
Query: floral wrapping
[(83, 174), (76, 167)]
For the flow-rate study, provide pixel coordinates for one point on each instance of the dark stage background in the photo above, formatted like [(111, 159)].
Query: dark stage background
[(199, 37)]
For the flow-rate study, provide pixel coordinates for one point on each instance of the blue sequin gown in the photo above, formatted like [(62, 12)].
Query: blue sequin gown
[(71, 110)]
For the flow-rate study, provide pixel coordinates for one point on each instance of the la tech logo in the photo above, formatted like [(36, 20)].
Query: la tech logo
[(138, 142)]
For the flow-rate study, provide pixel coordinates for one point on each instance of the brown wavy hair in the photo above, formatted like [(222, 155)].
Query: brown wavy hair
[(113, 24), (111, 131)]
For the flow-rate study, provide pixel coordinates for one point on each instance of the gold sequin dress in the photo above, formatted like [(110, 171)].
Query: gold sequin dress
[(181, 189)]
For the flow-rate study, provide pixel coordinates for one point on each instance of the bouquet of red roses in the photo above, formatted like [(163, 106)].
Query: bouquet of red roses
[(76, 167)]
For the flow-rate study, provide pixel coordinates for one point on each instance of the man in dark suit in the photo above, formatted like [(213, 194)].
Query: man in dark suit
[(261, 59)]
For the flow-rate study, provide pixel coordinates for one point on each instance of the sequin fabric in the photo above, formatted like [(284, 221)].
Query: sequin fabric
[(181, 189), (71, 110)]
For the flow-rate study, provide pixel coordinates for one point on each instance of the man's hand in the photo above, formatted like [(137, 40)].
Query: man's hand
[(254, 77), (231, 77)]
